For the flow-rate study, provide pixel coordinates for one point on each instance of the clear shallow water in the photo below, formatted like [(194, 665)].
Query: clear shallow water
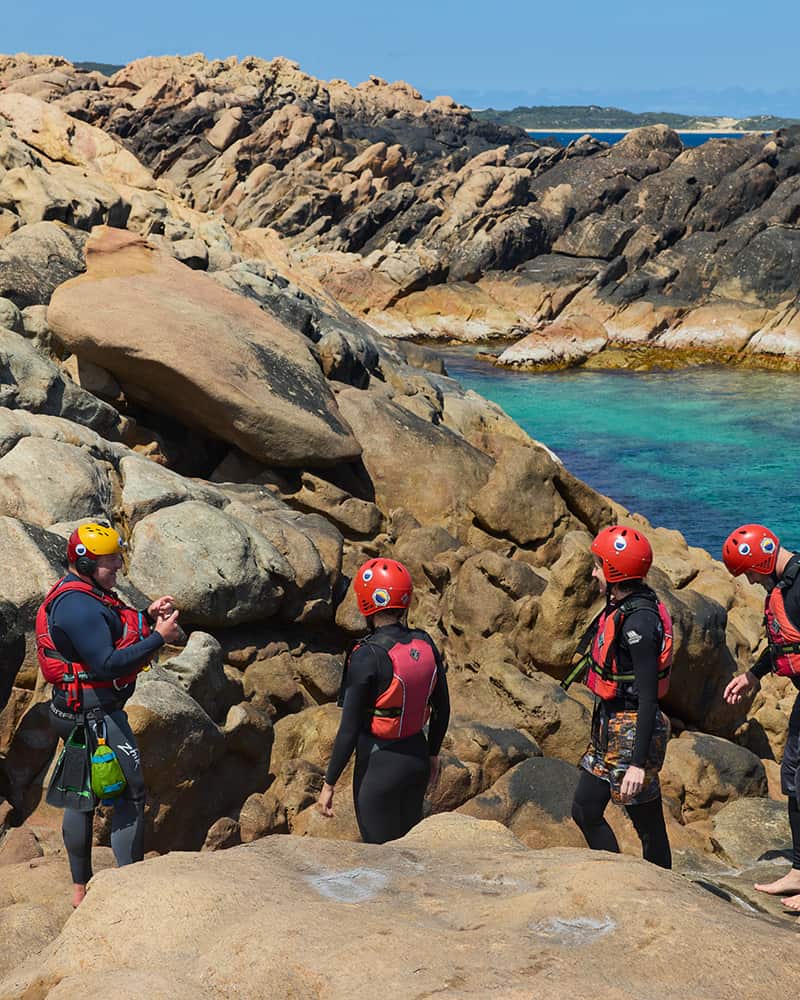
[(701, 450), (689, 139)]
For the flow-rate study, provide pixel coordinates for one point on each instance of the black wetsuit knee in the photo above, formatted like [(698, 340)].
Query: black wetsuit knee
[(592, 795), (648, 819)]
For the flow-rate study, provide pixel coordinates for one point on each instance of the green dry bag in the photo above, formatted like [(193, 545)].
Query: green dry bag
[(108, 780)]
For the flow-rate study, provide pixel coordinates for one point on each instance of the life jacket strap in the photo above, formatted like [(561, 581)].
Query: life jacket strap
[(387, 713), (781, 648), (577, 671)]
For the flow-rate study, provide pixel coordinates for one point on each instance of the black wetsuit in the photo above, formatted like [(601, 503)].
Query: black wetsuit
[(638, 646), (790, 765), (84, 631), (390, 776)]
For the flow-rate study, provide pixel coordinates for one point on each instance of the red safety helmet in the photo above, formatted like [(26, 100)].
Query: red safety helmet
[(751, 548), (624, 552), (380, 584)]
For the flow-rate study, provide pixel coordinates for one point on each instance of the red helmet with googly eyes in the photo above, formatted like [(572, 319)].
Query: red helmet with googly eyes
[(381, 584), (624, 552), (751, 548)]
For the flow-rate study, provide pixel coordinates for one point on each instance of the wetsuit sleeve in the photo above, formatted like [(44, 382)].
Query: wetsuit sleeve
[(80, 621), (641, 636), (360, 693), (440, 709), (763, 665)]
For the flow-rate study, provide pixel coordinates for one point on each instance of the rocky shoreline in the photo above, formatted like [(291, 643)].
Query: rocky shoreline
[(199, 266), (430, 224)]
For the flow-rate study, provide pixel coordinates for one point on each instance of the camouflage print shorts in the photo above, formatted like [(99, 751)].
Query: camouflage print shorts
[(609, 754)]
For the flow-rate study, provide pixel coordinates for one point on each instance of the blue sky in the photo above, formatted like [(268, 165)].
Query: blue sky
[(643, 54)]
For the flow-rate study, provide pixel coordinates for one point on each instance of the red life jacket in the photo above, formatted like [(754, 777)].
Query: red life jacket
[(782, 633), (402, 710), (71, 677), (605, 676)]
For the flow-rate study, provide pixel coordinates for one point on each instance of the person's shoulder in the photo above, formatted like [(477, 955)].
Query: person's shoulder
[(75, 601), (365, 654), (641, 623)]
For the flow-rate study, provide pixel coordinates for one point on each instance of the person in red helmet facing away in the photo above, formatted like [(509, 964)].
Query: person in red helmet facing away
[(755, 552), (91, 647), (394, 683), (628, 670)]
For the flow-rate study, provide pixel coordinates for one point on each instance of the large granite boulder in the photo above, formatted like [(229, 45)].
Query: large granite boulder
[(220, 571), (32, 382), (138, 314), (414, 464), (193, 774), (36, 259), (703, 772)]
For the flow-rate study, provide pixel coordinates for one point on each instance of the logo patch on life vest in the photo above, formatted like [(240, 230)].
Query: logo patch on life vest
[(744, 549), (380, 597), (767, 546), (633, 637), (620, 544), (414, 654), (366, 576)]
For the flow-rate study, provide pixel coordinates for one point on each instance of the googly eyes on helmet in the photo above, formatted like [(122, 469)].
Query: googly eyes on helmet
[(620, 543), (366, 576), (744, 549), (767, 546)]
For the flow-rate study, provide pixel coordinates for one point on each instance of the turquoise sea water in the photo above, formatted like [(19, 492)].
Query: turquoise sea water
[(701, 450), (688, 139)]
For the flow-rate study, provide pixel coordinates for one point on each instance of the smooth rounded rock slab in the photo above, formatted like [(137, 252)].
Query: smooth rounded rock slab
[(457, 908)]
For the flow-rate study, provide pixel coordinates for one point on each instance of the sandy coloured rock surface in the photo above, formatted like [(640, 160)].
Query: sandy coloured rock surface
[(465, 903)]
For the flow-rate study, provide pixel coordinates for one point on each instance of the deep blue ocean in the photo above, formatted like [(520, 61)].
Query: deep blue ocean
[(701, 450), (687, 138)]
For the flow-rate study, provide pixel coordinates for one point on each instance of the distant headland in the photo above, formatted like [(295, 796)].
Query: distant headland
[(594, 118)]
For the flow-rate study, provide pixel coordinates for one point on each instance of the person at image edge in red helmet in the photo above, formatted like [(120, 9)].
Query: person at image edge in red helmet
[(91, 646), (755, 552), (394, 683), (628, 670)]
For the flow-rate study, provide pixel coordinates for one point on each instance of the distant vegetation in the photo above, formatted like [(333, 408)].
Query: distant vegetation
[(107, 69), (594, 117)]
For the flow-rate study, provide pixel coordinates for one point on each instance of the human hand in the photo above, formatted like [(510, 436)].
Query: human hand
[(325, 800), (736, 688), (168, 628), (436, 770), (161, 607), (632, 783)]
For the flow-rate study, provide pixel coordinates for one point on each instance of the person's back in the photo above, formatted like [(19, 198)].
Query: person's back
[(394, 683)]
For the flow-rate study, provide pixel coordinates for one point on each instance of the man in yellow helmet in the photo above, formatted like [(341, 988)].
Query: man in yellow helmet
[(91, 647)]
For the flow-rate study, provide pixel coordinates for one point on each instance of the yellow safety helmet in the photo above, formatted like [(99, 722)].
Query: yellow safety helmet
[(89, 541)]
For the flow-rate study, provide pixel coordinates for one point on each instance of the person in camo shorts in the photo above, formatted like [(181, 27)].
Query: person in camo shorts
[(629, 664)]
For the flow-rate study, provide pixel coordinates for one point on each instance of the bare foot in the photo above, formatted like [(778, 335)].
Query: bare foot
[(78, 894), (792, 903), (788, 885)]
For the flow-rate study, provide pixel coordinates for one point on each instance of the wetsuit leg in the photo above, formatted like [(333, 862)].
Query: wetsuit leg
[(76, 827), (591, 798), (789, 783), (389, 784), (794, 823), (648, 819), (127, 821)]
